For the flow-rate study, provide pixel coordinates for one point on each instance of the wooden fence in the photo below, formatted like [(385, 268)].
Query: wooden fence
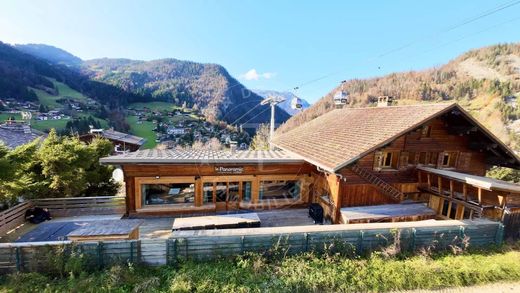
[(512, 224), (13, 217), (45, 256), (62, 207), (212, 244), (77, 206), (357, 238)]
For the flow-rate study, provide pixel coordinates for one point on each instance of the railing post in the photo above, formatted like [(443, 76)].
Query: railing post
[(360, 241), (414, 239), (100, 253), (306, 236), (18, 259), (174, 256), (132, 251), (499, 237), (242, 240), (186, 247)]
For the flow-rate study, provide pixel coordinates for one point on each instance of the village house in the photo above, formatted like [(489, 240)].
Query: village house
[(123, 142), (16, 133), (412, 162)]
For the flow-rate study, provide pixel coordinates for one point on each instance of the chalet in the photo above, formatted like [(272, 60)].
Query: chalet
[(16, 133), (435, 155), (122, 142)]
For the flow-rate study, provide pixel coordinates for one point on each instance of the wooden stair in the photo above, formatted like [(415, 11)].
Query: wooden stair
[(386, 188)]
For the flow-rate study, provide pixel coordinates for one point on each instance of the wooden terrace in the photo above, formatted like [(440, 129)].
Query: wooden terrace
[(459, 196)]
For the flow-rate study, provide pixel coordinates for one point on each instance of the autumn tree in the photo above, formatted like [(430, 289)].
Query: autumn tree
[(261, 139)]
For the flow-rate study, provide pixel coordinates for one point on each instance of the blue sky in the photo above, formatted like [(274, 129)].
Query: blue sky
[(267, 44)]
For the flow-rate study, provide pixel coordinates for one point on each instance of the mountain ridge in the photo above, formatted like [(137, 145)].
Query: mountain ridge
[(485, 81)]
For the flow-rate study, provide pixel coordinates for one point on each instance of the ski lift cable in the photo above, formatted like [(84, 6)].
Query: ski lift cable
[(445, 30)]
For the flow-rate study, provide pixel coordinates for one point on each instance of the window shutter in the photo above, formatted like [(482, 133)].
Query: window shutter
[(403, 160), (440, 159), (378, 161), (464, 161)]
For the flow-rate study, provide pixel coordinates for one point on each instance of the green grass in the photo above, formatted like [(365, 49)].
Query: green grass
[(143, 130), (5, 116), (48, 124), (45, 125), (304, 273), (154, 106), (63, 91)]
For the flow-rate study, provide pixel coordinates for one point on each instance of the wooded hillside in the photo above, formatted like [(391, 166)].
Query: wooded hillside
[(485, 81)]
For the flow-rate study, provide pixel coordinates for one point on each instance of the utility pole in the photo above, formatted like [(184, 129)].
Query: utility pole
[(272, 101)]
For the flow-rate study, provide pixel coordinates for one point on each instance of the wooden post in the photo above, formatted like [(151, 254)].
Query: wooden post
[(439, 185), (479, 195), (429, 178), (100, 253), (18, 259), (451, 189), (465, 191)]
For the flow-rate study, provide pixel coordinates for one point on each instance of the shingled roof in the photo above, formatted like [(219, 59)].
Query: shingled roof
[(342, 136), (202, 156)]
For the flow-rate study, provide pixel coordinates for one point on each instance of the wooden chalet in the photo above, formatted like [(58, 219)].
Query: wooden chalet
[(123, 142), (436, 153)]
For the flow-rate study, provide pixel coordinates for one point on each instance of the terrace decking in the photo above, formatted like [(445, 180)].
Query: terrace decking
[(387, 213)]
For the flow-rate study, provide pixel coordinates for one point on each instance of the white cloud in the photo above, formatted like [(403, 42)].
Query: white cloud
[(254, 75)]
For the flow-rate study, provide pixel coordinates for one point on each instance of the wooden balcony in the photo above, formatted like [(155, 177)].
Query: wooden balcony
[(458, 195)]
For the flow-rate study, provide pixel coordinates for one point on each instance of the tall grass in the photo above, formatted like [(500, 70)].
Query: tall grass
[(325, 272)]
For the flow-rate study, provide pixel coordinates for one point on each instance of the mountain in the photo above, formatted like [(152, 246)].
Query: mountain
[(50, 53), (24, 77), (485, 81), (285, 105), (208, 86)]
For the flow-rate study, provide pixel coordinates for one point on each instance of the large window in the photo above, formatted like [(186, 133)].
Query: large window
[(246, 191), (279, 189), (207, 192), (168, 193)]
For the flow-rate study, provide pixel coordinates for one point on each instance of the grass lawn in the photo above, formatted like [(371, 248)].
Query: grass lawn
[(143, 130), (303, 273), (63, 91), (154, 106), (45, 125), (5, 116)]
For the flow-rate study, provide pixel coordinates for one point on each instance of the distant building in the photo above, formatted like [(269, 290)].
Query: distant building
[(176, 131), (123, 142), (16, 133)]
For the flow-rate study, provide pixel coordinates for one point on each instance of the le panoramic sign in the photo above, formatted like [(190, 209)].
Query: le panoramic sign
[(229, 170)]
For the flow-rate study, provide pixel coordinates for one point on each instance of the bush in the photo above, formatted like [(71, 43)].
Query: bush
[(302, 273)]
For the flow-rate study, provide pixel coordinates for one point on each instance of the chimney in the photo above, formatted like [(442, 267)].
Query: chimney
[(384, 101), (232, 146)]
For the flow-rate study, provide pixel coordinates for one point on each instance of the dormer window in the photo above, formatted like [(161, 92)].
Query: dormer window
[(426, 131)]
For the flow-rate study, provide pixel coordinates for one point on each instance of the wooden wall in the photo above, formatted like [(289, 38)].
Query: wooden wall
[(356, 191), (135, 173)]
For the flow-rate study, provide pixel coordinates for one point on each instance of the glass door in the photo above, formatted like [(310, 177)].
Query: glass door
[(221, 192), (233, 195)]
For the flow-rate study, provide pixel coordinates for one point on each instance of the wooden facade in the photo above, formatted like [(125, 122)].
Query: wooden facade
[(434, 144), (207, 177), (384, 172)]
